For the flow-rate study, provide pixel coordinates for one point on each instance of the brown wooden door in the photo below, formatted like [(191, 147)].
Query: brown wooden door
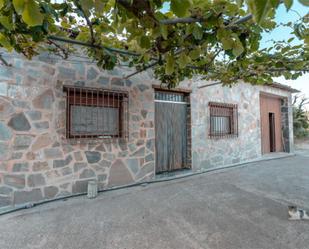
[(271, 129), (171, 136)]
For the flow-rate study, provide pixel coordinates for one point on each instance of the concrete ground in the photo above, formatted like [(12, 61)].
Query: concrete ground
[(302, 147), (238, 208)]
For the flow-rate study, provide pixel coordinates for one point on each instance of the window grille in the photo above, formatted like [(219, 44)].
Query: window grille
[(96, 113), (223, 120), (170, 96)]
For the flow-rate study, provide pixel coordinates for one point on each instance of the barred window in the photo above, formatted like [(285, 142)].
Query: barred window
[(96, 113), (223, 120)]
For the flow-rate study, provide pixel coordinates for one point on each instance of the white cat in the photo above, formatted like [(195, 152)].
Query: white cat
[(297, 214)]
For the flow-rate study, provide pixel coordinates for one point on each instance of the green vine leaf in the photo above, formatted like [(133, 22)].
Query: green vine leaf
[(238, 49), (180, 7), (164, 31), (170, 63), (19, 6), (197, 32), (145, 42), (304, 2), (288, 3), (5, 21), (183, 60), (5, 42), (143, 34), (195, 54), (240, 3), (261, 8), (31, 13), (2, 3)]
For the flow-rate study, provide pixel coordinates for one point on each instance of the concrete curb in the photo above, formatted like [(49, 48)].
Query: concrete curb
[(7, 210)]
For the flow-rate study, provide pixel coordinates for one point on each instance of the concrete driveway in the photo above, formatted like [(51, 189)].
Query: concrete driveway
[(237, 208)]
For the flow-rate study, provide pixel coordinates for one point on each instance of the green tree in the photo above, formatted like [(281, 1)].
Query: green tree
[(216, 38), (300, 116)]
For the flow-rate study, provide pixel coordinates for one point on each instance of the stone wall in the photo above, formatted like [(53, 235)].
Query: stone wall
[(285, 124), (37, 162), (212, 153)]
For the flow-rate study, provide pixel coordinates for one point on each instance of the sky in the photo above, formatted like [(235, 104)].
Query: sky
[(302, 83)]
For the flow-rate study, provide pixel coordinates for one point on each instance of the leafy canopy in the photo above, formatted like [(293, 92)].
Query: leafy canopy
[(184, 38)]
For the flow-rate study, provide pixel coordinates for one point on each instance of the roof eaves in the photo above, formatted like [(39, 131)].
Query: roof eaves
[(283, 87)]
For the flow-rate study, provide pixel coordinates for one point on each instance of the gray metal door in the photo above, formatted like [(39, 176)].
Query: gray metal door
[(171, 132)]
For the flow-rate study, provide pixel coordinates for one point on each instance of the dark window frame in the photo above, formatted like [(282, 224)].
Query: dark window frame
[(97, 97), (223, 110)]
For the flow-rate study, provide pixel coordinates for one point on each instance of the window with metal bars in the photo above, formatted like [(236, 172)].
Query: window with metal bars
[(96, 113), (170, 96), (223, 120)]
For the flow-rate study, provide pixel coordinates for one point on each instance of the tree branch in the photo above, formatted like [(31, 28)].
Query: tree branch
[(285, 69), (193, 20), (181, 20), (295, 99), (64, 51), (140, 8), (141, 70), (4, 61), (240, 20), (114, 50), (211, 84), (87, 21), (150, 65)]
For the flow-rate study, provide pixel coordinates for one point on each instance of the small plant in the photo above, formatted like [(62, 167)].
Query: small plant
[(300, 117)]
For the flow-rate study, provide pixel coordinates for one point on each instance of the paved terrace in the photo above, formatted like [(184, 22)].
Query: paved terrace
[(244, 207)]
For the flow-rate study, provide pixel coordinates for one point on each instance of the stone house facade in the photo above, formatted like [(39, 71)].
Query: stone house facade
[(38, 160)]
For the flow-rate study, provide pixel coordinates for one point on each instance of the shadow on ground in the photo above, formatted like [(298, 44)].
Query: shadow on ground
[(237, 208)]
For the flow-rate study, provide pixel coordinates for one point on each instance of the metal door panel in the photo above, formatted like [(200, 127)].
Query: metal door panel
[(171, 136)]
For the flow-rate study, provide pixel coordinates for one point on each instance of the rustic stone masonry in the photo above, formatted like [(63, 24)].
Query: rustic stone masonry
[(37, 162), (285, 124), (210, 152)]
